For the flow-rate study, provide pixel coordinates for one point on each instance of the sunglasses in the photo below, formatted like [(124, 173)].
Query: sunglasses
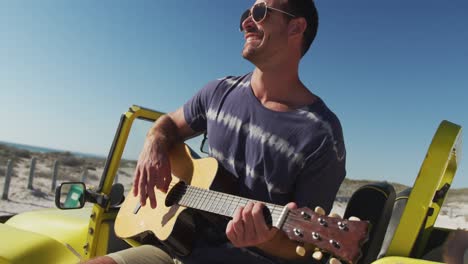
[(259, 12)]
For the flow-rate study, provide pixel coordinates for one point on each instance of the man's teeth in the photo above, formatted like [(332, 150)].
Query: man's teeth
[(252, 38)]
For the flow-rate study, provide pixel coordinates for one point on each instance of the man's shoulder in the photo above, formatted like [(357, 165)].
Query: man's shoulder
[(318, 112), (318, 117), (232, 81)]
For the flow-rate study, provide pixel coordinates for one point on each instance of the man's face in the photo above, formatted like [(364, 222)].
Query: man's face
[(266, 38)]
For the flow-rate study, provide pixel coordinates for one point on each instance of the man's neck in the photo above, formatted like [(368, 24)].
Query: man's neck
[(280, 89)]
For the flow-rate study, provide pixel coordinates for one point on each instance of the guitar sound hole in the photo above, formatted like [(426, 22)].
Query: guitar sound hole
[(175, 194)]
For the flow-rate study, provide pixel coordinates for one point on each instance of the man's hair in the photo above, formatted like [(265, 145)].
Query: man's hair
[(307, 10)]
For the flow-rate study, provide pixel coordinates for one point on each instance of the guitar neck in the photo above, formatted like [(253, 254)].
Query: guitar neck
[(222, 203)]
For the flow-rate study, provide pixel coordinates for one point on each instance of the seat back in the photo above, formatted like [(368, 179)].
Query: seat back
[(374, 203), (428, 193), (398, 208)]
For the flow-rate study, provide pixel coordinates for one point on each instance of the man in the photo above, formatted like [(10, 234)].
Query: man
[(279, 140)]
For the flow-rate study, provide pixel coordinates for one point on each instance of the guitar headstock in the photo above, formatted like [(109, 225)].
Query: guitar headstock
[(340, 237)]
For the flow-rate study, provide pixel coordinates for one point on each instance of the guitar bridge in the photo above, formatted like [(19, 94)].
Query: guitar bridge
[(137, 208)]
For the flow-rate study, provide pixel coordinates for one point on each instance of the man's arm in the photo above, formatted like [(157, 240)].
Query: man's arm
[(456, 247), (153, 167)]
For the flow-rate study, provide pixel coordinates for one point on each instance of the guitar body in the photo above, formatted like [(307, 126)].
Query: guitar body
[(172, 225)]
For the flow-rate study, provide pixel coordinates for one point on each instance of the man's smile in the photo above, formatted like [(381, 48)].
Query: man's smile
[(249, 37)]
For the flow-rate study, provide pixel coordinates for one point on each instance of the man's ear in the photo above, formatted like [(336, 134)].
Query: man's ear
[(297, 26)]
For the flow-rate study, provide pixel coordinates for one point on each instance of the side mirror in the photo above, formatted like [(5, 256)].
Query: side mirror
[(73, 195), (204, 147), (70, 195)]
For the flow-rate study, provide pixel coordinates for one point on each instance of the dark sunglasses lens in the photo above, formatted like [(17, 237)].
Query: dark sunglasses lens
[(244, 16), (259, 12)]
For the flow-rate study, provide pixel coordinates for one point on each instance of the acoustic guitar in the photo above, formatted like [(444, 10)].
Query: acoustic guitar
[(171, 222)]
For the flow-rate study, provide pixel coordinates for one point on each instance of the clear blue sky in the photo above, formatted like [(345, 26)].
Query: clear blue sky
[(391, 70)]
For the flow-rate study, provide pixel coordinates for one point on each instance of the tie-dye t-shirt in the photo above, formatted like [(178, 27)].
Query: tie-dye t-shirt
[(277, 157)]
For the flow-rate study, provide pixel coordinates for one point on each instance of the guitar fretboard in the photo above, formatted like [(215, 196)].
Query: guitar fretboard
[(218, 202)]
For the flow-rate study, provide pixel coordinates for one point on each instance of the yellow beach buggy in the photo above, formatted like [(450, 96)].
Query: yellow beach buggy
[(400, 226)]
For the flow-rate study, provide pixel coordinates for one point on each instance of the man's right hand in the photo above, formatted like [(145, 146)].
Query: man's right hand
[(153, 169)]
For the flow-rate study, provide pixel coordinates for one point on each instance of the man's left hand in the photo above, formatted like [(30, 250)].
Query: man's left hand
[(248, 227)]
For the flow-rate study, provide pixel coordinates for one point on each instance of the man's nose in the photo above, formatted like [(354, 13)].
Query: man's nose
[(248, 24)]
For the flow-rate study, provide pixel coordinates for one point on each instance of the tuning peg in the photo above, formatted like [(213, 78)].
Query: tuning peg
[(335, 215), (318, 255), (300, 250), (319, 210), (334, 261), (354, 218)]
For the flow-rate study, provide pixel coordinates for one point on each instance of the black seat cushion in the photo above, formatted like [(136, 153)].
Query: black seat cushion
[(374, 203)]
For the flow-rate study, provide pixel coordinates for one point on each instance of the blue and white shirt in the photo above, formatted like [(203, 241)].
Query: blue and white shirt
[(278, 157)]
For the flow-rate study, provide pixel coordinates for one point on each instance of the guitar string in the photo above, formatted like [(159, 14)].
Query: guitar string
[(205, 193), (232, 198), (201, 191), (294, 218)]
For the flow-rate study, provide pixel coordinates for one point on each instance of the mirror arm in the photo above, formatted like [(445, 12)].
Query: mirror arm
[(99, 199), (115, 197)]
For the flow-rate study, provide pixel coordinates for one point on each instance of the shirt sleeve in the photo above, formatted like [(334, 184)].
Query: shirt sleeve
[(319, 180), (195, 110)]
